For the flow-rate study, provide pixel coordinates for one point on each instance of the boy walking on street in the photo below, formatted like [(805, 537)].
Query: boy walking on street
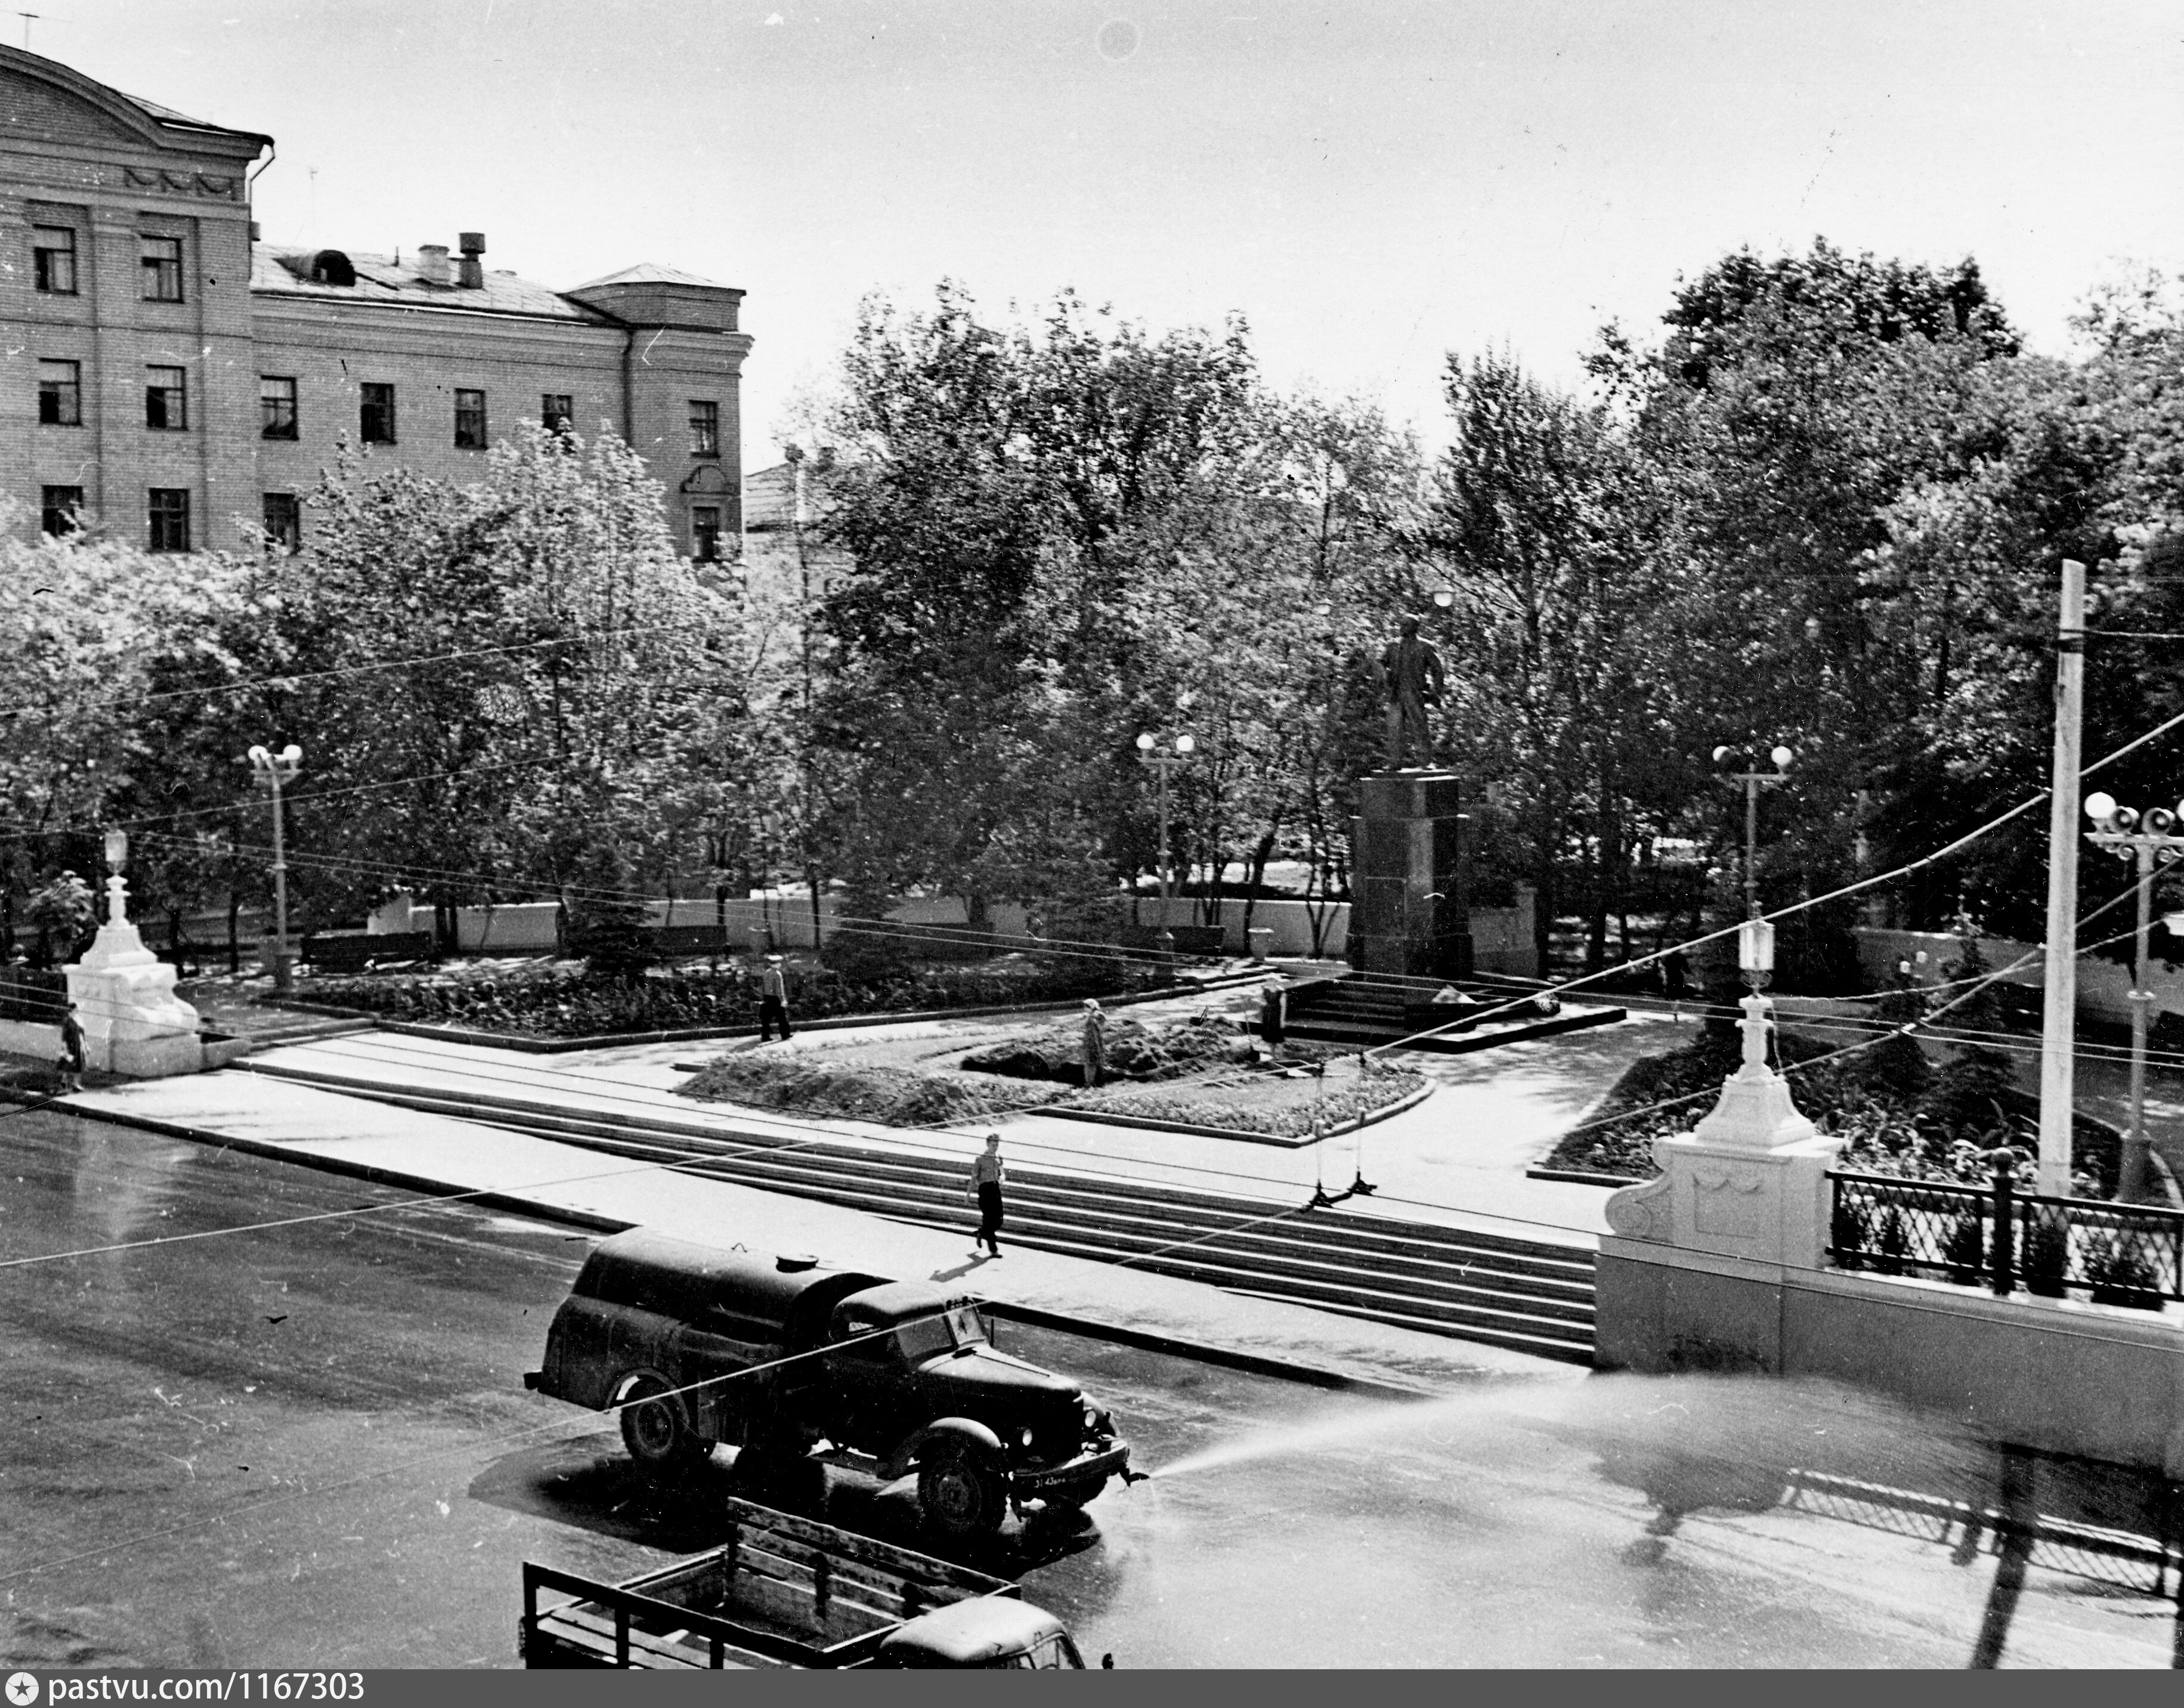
[(986, 1190), (772, 1001)]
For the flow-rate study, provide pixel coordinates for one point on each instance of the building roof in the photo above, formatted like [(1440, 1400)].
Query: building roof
[(168, 115), (651, 273), (278, 270)]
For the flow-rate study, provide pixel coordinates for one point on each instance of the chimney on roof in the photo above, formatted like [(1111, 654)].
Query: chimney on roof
[(432, 263), (473, 273)]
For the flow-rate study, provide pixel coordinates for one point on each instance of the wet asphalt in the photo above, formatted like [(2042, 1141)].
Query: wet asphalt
[(307, 1444)]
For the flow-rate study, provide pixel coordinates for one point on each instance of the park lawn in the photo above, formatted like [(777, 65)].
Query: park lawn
[(918, 1080)]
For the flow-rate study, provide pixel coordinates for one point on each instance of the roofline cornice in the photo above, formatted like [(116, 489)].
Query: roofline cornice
[(162, 134)]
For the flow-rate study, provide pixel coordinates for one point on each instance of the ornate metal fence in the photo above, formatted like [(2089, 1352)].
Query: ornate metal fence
[(33, 993), (1998, 1238)]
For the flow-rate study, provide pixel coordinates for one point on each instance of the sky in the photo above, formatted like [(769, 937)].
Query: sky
[(1372, 186)]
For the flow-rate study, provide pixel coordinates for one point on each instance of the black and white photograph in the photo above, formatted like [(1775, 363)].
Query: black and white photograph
[(1213, 835)]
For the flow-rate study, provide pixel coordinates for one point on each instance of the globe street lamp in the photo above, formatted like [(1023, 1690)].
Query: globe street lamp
[(2152, 842), (1151, 753), (1753, 780), (272, 770)]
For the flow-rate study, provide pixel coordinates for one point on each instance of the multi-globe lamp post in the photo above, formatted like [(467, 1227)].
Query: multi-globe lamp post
[(2151, 840), (274, 771), (1743, 769), (1163, 761)]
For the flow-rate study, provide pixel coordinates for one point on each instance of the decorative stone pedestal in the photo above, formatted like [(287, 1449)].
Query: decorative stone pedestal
[(133, 1023), (1749, 1181), (1408, 914)]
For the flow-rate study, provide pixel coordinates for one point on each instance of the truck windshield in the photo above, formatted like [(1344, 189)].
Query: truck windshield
[(927, 1336)]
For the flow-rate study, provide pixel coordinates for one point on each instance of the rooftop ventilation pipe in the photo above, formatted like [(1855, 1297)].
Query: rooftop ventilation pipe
[(432, 264), (472, 277)]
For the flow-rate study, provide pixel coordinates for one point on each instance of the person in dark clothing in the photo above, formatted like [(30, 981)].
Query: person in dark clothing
[(1274, 1013), (1676, 981), (71, 1049), (772, 1001), (986, 1192)]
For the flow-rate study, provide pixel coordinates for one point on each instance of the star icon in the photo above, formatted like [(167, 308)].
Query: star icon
[(22, 1689)]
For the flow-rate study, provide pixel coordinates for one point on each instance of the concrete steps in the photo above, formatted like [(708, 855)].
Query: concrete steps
[(1502, 1289), (1361, 1013)]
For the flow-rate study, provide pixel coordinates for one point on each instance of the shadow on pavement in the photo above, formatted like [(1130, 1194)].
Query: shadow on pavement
[(590, 1485)]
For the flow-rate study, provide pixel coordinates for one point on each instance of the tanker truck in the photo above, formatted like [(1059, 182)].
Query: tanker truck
[(785, 1360)]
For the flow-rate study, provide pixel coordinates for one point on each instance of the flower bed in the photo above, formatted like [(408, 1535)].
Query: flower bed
[(1288, 1109), (571, 1001), (804, 1083), (1899, 1113)]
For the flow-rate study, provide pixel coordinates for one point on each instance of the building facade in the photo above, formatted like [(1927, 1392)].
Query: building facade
[(167, 377)]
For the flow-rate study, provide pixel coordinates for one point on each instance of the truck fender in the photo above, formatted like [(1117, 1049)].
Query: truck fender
[(965, 1432), (618, 1391)]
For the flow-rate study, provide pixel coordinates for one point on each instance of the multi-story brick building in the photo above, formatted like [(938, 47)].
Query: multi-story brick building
[(165, 374)]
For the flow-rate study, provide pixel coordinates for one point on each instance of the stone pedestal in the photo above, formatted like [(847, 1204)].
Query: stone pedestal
[(133, 1023), (1749, 1181), (1408, 914)]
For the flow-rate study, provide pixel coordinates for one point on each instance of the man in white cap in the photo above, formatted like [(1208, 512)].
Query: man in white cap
[(772, 1000)]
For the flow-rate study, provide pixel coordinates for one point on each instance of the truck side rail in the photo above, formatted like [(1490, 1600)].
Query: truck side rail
[(645, 1616)]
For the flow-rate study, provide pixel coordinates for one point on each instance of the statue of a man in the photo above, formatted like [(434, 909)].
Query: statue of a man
[(1412, 673)]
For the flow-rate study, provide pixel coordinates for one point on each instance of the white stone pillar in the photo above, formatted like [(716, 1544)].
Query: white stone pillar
[(1749, 1181), (133, 1023)]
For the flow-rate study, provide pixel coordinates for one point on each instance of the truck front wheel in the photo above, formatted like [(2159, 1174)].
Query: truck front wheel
[(960, 1496), (655, 1429)]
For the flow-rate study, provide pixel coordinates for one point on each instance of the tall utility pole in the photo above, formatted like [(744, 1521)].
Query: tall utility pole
[(2058, 1023)]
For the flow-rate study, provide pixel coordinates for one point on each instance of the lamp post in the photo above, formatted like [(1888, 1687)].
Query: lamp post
[(1163, 761), (1754, 780), (117, 856), (272, 770), (2152, 842)]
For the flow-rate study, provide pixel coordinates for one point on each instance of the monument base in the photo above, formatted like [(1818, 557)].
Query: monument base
[(1407, 912), (133, 1023)]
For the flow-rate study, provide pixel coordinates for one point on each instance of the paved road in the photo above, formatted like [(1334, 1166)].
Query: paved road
[(307, 1444)]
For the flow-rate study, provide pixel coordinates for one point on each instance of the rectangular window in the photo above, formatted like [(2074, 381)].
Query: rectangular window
[(60, 510), (53, 259), (704, 428), (276, 407), (284, 522), (556, 409), (376, 426), (162, 259), (706, 533), (60, 393), (470, 420), (170, 519), (166, 399)]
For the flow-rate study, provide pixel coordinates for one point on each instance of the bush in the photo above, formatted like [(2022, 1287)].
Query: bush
[(564, 1001), (1133, 1051), (894, 1096)]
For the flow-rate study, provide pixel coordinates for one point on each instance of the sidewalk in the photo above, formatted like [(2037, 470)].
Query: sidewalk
[(432, 1154)]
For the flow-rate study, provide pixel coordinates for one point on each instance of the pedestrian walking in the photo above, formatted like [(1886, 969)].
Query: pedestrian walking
[(71, 1063), (1275, 1012), (1676, 981), (985, 1190), (772, 1001), (1093, 1050)]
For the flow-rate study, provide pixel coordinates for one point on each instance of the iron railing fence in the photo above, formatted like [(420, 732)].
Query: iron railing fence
[(33, 993), (1998, 1238)]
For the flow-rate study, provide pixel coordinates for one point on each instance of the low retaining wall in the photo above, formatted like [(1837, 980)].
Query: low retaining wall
[(29, 1038), (2103, 985), (2059, 1375)]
